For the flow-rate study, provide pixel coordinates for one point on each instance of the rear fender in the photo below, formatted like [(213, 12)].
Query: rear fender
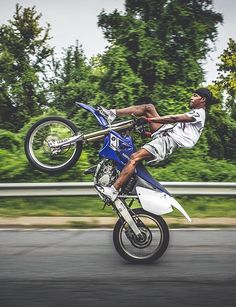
[(158, 203), (102, 121)]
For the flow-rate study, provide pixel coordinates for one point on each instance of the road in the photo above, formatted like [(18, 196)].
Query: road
[(42, 268)]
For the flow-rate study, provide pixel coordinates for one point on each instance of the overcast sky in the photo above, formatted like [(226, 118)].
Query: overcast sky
[(77, 19)]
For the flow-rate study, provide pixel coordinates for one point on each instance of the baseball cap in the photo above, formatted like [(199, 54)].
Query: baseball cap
[(204, 92)]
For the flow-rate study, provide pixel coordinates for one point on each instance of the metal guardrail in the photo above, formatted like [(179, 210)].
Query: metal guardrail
[(87, 189)]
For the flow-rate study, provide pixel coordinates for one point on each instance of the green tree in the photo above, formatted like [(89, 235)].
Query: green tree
[(226, 80), (221, 130), (77, 80), (73, 80), (24, 52), (165, 43), (119, 83), (221, 134)]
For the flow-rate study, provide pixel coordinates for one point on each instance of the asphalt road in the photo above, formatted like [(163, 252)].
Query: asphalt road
[(40, 268)]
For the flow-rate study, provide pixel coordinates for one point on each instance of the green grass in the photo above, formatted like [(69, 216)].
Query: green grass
[(92, 206), (53, 206), (207, 206)]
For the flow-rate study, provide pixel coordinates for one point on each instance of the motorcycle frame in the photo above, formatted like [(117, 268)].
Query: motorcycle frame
[(94, 136)]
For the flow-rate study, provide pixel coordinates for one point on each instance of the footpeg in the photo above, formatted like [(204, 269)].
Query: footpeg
[(90, 170)]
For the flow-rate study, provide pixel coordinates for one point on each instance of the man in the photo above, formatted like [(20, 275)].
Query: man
[(168, 133)]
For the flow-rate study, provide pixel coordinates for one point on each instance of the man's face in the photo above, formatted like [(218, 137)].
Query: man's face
[(197, 101)]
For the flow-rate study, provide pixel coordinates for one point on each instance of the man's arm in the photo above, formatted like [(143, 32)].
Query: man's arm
[(170, 119)]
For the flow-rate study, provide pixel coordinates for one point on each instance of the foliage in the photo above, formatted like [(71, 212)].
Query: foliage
[(9, 140), (197, 169), (165, 42), (227, 76), (154, 54), (221, 134), (196, 206), (119, 82), (23, 56), (221, 130), (19, 170), (73, 80)]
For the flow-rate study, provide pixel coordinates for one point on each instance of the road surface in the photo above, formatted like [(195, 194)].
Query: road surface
[(42, 268)]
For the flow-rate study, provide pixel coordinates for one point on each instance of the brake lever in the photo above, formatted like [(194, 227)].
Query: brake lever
[(138, 120), (135, 118)]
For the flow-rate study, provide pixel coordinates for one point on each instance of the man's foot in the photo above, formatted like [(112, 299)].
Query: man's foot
[(109, 192), (108, 114)]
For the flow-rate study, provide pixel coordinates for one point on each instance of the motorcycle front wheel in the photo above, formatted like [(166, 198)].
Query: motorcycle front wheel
[(47, 158), (149, 247)]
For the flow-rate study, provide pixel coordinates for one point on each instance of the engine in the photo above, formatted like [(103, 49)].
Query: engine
[(106, 173)]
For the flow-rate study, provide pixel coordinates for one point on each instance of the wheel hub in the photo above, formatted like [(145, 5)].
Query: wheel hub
[(143, 240)]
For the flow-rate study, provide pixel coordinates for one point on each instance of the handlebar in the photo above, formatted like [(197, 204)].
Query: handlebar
[(139, 124)]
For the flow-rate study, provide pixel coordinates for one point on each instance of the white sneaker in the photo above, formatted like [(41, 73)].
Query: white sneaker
[(108, 114), (109, 192)]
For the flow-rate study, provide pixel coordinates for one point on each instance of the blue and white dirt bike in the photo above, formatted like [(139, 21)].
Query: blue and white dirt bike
[(54, 144)]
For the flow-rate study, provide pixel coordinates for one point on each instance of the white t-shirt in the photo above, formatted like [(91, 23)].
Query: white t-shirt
[(186, 134)]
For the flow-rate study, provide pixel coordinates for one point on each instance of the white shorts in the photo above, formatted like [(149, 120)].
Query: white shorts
[(160, 147)]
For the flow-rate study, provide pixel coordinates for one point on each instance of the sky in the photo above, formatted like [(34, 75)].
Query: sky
[(73, 20)]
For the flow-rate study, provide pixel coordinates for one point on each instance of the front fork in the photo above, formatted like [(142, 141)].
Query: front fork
[(124, 212)]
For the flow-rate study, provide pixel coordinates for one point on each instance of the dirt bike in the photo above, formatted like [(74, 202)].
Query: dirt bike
[(54, 144)]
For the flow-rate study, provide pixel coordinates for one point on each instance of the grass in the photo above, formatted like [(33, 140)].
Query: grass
[(203, 206)]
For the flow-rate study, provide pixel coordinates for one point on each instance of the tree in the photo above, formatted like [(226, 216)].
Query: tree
[(165, 43), (24, 52), (221, 132), (73, 80), (226, 80), (118, 83)]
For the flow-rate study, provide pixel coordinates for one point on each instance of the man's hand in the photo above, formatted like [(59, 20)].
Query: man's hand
[(142, 120)]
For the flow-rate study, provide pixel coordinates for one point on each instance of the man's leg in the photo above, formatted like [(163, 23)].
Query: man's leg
[(147, 110), (129, 169), (113, 191)]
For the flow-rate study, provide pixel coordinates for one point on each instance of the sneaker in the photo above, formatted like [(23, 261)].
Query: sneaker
[(109, 192), (108, 114)]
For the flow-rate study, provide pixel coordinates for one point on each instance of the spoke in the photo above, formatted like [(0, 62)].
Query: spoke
[(42, 153)]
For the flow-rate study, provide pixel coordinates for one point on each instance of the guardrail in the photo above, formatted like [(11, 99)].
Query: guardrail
[(87, 189)]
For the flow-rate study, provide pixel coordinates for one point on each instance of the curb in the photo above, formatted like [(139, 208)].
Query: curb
[(85, 222)]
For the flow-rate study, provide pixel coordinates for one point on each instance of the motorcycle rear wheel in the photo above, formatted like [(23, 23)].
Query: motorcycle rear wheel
[(148, 249), (45, 158)]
